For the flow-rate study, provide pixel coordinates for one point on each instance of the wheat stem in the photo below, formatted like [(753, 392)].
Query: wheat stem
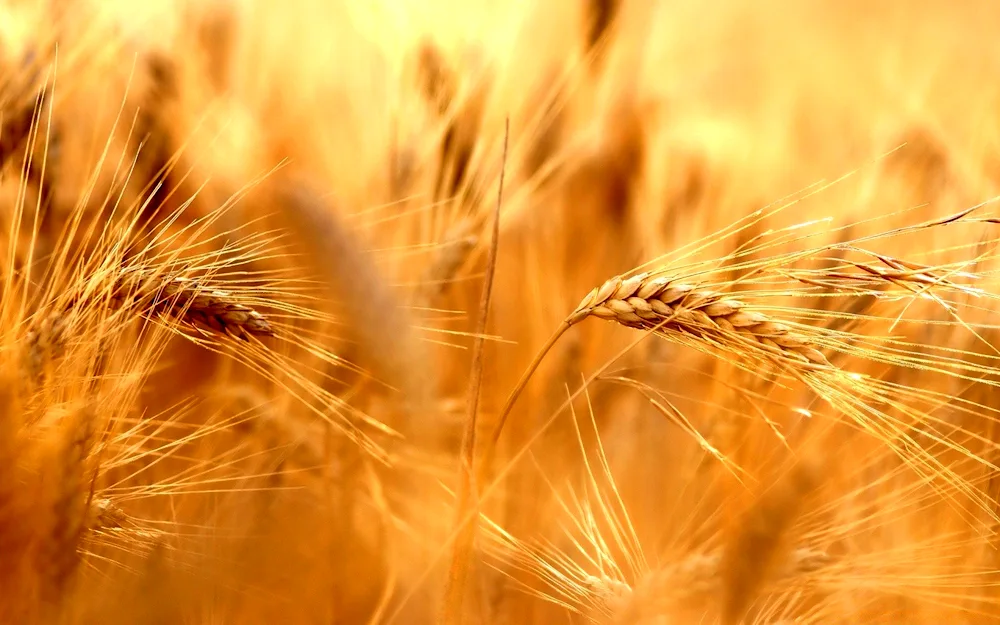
[(490, 451), (467, 495)]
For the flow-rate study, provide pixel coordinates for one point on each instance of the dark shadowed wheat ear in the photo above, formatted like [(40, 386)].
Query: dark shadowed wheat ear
[(177, 299), (71, 497), (189, 303)]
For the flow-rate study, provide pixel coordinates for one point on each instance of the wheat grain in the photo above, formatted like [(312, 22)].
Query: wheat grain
[(44, 342), (105, 514)]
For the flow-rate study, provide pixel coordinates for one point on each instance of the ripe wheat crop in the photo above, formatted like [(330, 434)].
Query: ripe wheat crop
[(599, 311)]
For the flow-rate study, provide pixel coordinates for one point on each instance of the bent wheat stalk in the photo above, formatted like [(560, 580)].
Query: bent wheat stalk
[(672, 308), (694, 310)]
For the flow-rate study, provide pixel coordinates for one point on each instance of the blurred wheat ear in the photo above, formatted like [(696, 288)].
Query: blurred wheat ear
[(384, 329)]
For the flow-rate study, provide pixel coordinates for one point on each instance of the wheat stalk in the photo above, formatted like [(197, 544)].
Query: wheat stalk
[(467, 500), (691, 309)]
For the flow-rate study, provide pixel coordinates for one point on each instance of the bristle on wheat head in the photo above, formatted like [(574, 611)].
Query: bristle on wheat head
[(648, 301)]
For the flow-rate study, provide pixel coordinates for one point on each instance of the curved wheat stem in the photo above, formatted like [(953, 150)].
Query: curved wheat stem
[(653, 302), (691, 311)]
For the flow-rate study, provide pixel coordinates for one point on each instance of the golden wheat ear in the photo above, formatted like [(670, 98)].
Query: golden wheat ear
[(657, 303), (178, 300)]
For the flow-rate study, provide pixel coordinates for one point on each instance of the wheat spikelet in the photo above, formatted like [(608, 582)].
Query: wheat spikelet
[(44, 341), (107, 523), (105, 514)]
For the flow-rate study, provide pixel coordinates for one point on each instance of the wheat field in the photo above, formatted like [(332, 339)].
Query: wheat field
[(583, 311)]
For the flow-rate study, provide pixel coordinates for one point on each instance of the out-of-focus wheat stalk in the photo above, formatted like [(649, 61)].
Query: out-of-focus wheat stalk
[(467, 500)]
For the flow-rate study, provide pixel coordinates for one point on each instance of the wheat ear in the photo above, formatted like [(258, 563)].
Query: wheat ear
[(181, 299), (69, 507), (190, 303), (679, 310), (649, 302), (696, 574)]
